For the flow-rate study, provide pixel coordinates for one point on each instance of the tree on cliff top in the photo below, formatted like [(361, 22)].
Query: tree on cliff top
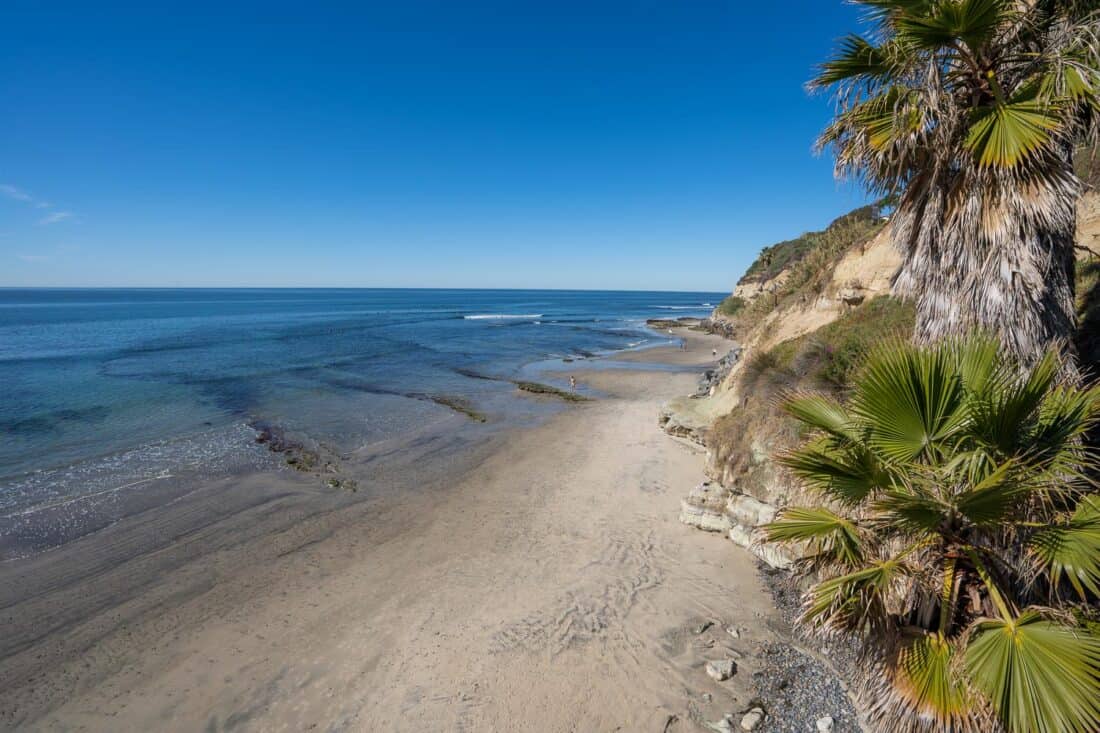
[(969, 112)]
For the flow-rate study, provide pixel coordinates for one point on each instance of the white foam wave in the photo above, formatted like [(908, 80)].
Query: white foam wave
[(680, 307), (502, 316)]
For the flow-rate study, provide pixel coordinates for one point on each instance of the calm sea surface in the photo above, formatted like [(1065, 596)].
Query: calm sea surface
[(102, 387)]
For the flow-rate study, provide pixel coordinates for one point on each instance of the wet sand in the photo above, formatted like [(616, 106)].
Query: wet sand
[(540, 581)]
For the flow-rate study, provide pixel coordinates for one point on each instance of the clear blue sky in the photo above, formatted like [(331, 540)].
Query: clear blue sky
[(639, 145)]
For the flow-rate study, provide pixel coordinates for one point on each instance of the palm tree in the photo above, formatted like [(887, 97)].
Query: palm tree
[(959, 539), (969, 112)]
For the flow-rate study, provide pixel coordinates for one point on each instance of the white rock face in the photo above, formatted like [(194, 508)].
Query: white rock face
[(745, 514), (722, 670), (752, 719), (704, 508), (825, 725)]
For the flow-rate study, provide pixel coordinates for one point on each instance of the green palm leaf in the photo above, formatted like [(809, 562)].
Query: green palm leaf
[(1072, 550), (1007, 133), (846, 476), (821, 412), (829, 535), (1004, 410), (1064, 418), (971, 21), (856, 600), (1039, 675), (995, 499), (979, 364), (857, 57), (910, 511), (912, 400)]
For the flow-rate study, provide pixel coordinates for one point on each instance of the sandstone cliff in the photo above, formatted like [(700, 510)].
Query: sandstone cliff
[(804, 326)]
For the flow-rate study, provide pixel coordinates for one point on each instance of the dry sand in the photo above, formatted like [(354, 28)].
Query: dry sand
[(549, 587)]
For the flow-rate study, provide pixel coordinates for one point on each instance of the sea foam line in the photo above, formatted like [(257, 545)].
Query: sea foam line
[(501, 316)]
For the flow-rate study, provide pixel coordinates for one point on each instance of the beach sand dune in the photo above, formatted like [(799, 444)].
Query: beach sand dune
[(546, 587)]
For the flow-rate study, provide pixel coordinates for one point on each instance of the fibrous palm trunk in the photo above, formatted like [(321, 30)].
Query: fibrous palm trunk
[(982, 253)]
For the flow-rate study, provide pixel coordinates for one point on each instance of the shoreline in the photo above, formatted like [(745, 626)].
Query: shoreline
[(540, 581)]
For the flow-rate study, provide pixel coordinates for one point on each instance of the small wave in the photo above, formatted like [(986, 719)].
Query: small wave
[(502, 316), (681, 307)]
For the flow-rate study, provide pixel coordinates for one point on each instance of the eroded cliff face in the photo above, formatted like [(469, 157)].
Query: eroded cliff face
[(738, 422)]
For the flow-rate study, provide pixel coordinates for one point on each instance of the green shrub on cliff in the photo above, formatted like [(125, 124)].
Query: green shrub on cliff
[(822, 360), (778, 257), (958, 538), (731, 305), (827, 357)]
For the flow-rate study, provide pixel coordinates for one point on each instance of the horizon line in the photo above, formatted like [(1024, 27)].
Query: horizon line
[(344, 287)]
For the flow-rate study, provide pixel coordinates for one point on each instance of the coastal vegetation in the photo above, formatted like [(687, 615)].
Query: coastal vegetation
[(795, 271), (731, 305), (938, 498), (822, 360), (967, 113), (956, 537)]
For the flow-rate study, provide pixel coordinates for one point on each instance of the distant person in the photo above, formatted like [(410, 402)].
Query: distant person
[(573, 383), (714, 353)]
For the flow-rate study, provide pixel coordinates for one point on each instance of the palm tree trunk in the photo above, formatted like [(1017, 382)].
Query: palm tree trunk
[(1005, 269)]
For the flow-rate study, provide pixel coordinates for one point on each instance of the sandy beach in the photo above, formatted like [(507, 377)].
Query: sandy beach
[(541, 583)]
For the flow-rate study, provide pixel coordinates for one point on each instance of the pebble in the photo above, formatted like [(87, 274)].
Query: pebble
[(797, 689), (825, 725), (725, 725), (752, 719)]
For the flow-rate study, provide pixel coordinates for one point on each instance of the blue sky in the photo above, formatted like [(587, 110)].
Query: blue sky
[(638, 145)]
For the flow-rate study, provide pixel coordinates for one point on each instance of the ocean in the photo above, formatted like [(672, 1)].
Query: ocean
[(108, 388)]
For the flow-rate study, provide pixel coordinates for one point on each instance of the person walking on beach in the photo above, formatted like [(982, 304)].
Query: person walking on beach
[(573, 383), (714, 353)]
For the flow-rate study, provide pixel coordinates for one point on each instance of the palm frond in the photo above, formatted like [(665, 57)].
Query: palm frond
[(1039, 675), (927, 677), (845, 476), (860, 599), (996, 498), (857, 57), (1002, 412), (821, 412), (910, 511), (1072, 550), (971, 21), (1007, 133), (828, 535), (911, 398)]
